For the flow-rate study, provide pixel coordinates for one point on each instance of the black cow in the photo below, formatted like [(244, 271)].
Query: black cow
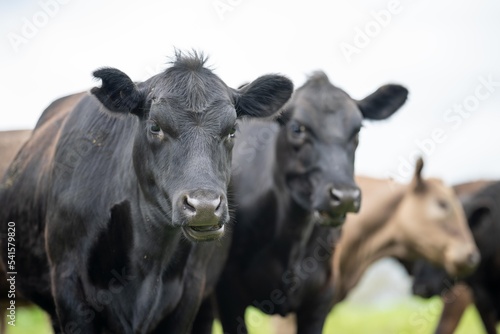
[(287, 179), (114, 191), (483, 213)]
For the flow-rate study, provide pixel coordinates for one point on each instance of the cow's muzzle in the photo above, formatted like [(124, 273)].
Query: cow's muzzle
[(337, 203), (462, 260), (203, 214)]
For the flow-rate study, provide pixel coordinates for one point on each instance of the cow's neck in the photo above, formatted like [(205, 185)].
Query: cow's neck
[(294, 223), (380, 245), (155, 240), (378, 239)]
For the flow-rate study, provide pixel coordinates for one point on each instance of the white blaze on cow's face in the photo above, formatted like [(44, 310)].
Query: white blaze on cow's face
[(435, 226)]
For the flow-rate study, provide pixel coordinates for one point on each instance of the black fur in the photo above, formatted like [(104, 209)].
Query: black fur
[(99, 201), (383, 102), (118, 93), (281, 176), (258, 99)]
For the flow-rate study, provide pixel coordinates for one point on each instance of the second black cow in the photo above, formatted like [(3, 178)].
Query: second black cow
[(289, 178)]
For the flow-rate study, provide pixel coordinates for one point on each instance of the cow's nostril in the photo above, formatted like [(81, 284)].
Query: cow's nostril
[(336, 195), (203, 206), (219, 204), (189, 204), (219, 209)]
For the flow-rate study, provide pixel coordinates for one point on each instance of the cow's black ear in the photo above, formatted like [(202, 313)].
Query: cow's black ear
[(118, 92), (383, 102), (264, 96)]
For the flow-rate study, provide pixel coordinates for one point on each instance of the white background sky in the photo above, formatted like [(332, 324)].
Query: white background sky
[(437, 49)]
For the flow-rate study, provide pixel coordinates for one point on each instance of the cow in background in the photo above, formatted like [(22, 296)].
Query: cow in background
[(483, 215), (423, 219), (393, 220), (288, 179)]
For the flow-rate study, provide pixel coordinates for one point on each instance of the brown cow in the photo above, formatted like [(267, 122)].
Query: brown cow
[(481, 209), (421, 220), (458, 297)]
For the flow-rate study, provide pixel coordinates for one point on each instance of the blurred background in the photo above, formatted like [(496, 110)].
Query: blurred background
[(445, 52)]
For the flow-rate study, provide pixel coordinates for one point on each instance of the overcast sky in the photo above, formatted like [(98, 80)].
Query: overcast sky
[(445, 52)]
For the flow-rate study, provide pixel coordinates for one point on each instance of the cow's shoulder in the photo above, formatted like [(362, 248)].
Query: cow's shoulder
[(59, 108), (92, 158)]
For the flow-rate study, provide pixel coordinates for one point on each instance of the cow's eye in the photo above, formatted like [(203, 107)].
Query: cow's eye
[(443, 204), (154, 128), (297, 129), (232, 133)]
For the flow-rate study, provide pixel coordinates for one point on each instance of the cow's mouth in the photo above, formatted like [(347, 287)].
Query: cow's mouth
[(204, 232), (326, 219)]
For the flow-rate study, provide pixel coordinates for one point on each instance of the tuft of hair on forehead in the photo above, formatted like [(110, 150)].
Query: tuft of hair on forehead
[(321, 92), (192, 82), (318, 77), (190, 60)]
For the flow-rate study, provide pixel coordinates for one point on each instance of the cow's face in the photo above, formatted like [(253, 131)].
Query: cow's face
[(318, 141), (480, 211), (182, 150), (434, 226)]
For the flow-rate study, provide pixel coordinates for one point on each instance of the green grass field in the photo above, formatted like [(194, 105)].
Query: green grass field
[(415, 316)]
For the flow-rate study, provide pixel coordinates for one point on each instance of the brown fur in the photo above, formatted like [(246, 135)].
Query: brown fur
[(406, 222)]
